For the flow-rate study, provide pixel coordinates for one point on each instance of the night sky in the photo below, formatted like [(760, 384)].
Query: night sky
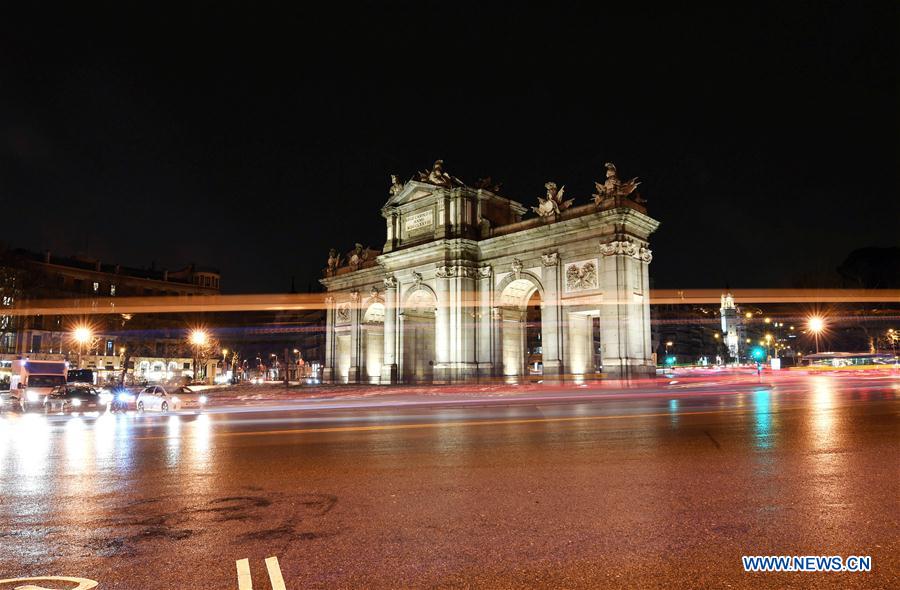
[(253, 139)]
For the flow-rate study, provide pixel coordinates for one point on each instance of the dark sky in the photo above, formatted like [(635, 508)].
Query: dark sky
[(254, 139)]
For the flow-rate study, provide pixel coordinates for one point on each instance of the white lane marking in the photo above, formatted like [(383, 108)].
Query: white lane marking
[(245, 582), (83, 583), (275, 573)]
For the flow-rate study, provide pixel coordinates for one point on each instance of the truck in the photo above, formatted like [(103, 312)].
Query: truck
[(32, 381)]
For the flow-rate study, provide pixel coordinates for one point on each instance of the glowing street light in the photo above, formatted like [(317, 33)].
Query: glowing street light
[(816, 324), (199, 337), (82, 335)]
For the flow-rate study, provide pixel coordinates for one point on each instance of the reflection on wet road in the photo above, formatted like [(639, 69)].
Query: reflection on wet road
[(672, 484)]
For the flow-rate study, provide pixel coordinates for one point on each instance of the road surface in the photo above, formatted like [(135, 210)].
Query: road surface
[(662, 486)]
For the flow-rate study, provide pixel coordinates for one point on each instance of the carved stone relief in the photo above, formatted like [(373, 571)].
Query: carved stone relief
[(581, 276)]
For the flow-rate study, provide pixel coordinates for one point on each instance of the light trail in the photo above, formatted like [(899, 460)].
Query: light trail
[(317, 301), (450, 424)]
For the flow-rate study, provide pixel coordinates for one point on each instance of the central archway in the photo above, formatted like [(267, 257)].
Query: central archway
[(417, 335)]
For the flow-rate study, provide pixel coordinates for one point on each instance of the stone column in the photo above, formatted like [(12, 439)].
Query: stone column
[(646, 257), (550, 316), (328, 368), (389, 368), (624, 329), (497, 337), (483, 322), (463, 320), (357, 360), (442, 367)]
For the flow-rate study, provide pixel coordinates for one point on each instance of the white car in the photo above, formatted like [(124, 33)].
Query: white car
[(155, 397)]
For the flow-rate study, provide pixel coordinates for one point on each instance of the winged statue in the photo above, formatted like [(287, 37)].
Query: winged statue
[(613, 186), (438, 177), (554, 203)]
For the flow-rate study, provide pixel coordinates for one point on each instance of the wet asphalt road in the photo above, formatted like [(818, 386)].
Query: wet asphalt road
[(663, 487)]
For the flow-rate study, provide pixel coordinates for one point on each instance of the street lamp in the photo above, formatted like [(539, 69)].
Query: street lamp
[(198, 339), (82, 335), (816, 324), (893, 337)]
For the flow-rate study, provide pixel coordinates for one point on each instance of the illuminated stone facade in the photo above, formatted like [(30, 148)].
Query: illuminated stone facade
[(461, 274)]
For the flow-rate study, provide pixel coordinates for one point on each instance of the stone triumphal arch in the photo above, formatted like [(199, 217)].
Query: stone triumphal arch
[(466, 287)]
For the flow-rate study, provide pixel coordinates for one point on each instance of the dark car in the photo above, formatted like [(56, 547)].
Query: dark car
[(75, 398), (80, 376)]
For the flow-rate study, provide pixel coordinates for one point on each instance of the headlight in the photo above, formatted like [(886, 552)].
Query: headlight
[(202, 399), (125, 397), (76, 402), (32, 396)]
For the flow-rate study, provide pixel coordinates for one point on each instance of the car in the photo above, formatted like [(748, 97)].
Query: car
[(156, 398), (76, 397)]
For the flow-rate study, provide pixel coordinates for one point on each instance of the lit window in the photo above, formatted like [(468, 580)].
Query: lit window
[(112, 290), (96, 287)]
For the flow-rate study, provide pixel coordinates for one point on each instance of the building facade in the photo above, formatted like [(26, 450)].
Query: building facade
[(26, 275), (466, 287)]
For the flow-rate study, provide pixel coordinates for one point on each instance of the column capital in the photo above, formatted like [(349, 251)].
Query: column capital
[(626, 247), (550, 259), (445, 272), (390, 282)]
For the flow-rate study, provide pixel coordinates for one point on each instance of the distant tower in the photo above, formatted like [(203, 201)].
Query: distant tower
[(730, 326)]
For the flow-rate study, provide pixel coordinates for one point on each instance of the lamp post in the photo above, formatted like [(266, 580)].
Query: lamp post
[(82, 334), (816, 324), (893, 336), (224, 362)]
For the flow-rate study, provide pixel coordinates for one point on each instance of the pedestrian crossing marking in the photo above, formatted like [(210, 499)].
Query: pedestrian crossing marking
[(245, 580), (275, 573)]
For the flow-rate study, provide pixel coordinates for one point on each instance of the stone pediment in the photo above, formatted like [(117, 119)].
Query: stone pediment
[(412, 191)]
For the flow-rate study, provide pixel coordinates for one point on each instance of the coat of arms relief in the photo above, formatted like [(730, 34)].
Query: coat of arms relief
[(581, 276)]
